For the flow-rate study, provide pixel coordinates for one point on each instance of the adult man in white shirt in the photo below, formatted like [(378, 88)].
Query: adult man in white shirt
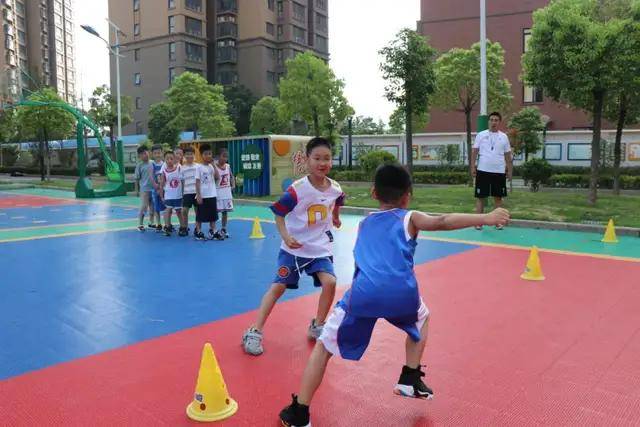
[(494, 166)]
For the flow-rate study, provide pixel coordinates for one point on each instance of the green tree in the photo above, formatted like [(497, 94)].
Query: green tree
[(311, 92), (240, 101), (199, 106), (573, 54), (44, 124), (104, 112), (458, 81), (396, 121), (266, 117), (622, 105), (408, 68), (361, 125), (527, 124), (8, 125), (162, 128)]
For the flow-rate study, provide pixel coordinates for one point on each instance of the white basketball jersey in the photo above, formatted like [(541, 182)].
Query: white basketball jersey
[(172, 182), (224, 185)]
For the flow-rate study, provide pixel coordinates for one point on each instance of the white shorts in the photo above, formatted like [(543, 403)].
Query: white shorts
[(348, 336), (225, 205)]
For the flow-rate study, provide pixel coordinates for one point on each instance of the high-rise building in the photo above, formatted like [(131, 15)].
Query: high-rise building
[(456, 23), (228, 41), (37, 47)]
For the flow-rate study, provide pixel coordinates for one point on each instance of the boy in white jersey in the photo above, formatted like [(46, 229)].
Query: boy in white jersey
[(384, 286), (189, 173), (311, 206), (171, 190), (207, 210), (224, 187)]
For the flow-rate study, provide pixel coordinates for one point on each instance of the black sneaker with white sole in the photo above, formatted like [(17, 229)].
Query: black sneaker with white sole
[(215, 235), (199, 235), (410, 384), (295, 415)]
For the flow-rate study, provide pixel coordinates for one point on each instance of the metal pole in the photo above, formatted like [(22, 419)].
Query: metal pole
[(350, 144), (483, 58), (117, 53)]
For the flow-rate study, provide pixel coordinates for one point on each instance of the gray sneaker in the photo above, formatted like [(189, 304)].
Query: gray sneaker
[(252, 342), (315, 330)]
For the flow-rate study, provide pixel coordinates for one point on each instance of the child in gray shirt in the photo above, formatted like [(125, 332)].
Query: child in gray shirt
[(143, 177)]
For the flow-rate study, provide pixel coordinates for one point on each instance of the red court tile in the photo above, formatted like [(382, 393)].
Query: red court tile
[(502, 351), (33, 201)]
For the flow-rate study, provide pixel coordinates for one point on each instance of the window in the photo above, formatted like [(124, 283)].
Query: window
[(270, 4), (194, 71), (136, 5), (172, 51), (226, 54), (279, 56), (139, 130), (194, 52), (59, 46), (298, 12), (227, 6), (322, 44), (138, 103), (298, 34), (195, 5), (172, 4), (271, 77), (280, 32), (227, 77), (22, 37), (136, 54), (280, 8), (530, 94), (322, 4), (137, 79), (21, 23), (172, 24), (172, 75), (321, 22), (271, 29), (227, 29), (19, 8), (193, 26), (23, 64), (136, 29), (59, 32), (57, 6)]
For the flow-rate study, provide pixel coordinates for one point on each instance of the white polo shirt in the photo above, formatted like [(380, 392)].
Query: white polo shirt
[(492, 147)]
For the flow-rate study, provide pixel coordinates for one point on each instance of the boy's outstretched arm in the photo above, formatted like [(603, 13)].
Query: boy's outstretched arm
[(423, 222), (288, 239)]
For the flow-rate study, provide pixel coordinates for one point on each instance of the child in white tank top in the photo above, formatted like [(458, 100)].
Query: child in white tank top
[(224, 188)]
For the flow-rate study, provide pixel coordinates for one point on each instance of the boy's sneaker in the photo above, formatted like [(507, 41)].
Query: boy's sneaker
[(315, 330), (159, 228), (224, 233), (199, 235), (141, 228), (167, 231), (410, 384), (151, 225), (171, 229), (183, 232), (295, 415), (215, 235), (252, 342)]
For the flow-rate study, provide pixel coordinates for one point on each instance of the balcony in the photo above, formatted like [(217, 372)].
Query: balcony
[(226, 6), (227, 29), (226, 54)]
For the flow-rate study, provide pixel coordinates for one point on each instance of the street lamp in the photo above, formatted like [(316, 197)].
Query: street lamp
[(115, 50), (482, 118)]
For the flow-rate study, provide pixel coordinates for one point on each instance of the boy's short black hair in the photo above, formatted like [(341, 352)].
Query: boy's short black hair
[(178, 148), (168, 152), (204, 147), (188, 149), (142, 149), (391, 182), (495, 113), (222, 150), (317, 142), (156, 147)]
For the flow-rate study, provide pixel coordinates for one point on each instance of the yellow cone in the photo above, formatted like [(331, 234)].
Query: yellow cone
[(533, 271), (256, 232), (610, 233), (211, 401)]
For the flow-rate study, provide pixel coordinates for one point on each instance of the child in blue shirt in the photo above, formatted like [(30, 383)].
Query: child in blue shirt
[(384, 286)]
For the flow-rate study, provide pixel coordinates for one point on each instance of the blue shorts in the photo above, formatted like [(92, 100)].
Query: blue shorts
[(173, 203), (348, 336), (158, 205), (290, 267)]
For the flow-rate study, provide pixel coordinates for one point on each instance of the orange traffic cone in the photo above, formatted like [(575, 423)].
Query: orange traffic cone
[(533, 270), (211, 401), (610, 233)]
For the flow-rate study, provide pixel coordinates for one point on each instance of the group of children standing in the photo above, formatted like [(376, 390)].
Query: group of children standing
[(174, 182)]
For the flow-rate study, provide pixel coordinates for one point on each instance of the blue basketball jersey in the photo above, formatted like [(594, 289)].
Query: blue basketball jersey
[(384, 284)]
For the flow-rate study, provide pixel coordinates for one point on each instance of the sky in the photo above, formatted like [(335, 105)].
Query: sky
[(353, 47)]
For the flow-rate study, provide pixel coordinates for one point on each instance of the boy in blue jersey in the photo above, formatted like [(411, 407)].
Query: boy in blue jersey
[(384, 287)]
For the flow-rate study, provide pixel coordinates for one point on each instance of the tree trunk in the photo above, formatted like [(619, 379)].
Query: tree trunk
[(316, 123), (409, 137), (112, 144), (41, 158), (598, 101), (617, 148), (195, 132), (467, 117)]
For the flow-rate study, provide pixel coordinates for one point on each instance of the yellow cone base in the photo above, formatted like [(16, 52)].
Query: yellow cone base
[(610, 233), (195, 412), (256, 232), (533, 270)]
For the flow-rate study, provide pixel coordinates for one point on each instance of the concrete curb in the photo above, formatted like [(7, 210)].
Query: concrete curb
[(523, 223)]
